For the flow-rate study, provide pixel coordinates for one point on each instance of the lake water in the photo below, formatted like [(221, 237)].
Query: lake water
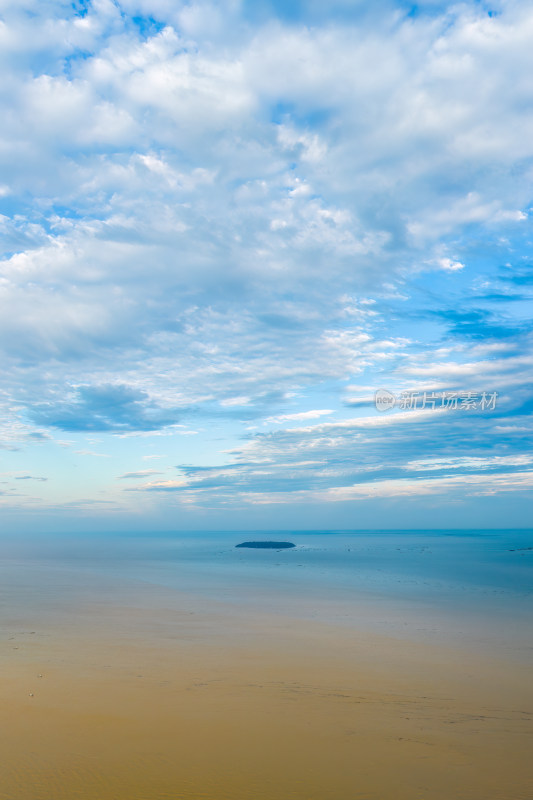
[(369, 665), (470, 585)]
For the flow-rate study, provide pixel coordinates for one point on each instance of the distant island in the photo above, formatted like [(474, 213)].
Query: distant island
[(267, 545)]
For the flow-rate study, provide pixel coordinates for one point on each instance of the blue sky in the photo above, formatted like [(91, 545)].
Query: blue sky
[(226, 225)]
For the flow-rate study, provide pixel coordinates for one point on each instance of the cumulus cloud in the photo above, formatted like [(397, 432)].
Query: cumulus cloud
[(229, 212), (104, 408)]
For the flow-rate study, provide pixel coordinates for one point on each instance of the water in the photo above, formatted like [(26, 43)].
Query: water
[(474, 586), (369, 664)]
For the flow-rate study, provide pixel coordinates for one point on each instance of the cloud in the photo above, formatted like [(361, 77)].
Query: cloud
[(483, 485), (144, 473), (104, 408), (468, 462), (361, 458), (301, 415), (450, 265), (225, 214)]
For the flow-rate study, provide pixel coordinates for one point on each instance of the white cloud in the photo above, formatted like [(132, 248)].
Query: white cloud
[(220, 213), (450, 265), (235, 401), (475, 484), (300, 415), (468, 462)]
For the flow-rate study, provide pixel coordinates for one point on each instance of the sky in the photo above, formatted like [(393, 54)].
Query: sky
[(226, 226)]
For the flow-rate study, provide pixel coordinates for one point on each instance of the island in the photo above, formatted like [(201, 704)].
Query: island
[(267, 545)]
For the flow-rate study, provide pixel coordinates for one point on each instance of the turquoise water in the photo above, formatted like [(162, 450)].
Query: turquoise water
[(475, 586)]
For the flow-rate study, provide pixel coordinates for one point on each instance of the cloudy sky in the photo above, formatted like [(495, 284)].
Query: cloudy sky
[(226, 225)]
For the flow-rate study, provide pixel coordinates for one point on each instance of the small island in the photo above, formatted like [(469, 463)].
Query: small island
[(267, 545)]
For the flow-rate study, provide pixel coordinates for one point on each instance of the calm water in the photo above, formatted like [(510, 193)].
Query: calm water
[(474, 585)]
